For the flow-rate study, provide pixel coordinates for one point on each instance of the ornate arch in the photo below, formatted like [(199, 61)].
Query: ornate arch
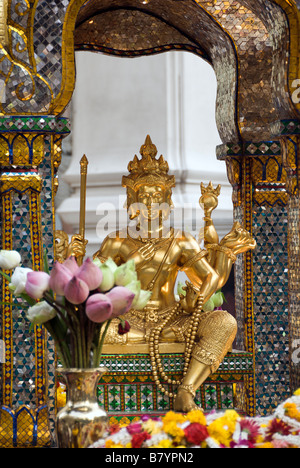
[(249, 55)]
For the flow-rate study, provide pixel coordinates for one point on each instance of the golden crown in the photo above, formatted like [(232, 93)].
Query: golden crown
[(148, 170)]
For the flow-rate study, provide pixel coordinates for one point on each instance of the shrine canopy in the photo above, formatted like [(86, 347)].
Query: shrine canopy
[(246, 42)]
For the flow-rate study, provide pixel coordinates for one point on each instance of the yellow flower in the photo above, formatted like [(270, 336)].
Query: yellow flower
[(260, 439), (218, 432), (196, 416), (172, 416), (110, 444), (232, 416), (266, 445), (164, 444), (174, 431), (291, 411), (170, 421), (297, 392), (152, 427), (222, 428)]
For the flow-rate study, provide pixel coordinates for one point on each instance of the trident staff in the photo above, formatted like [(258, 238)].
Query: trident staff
[(83, 175)]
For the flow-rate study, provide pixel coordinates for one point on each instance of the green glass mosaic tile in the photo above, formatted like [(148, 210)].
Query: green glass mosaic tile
[(128, 386), (43, 124)]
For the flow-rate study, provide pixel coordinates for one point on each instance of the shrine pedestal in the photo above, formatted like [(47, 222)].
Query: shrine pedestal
[(127, 391)]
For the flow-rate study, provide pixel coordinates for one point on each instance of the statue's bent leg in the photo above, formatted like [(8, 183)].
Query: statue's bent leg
[(215, 336)]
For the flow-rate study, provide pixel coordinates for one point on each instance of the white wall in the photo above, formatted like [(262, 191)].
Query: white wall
[(116, 103)]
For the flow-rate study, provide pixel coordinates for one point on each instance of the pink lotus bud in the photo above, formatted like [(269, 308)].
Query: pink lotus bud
[(76, 291), (59, 277), (90, 274), (121, 299), (72, 265), (37, 283), (98, 308)]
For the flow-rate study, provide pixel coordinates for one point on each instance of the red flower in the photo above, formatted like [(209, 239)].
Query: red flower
[(251, 428), (195, 433), (124, 327), (113, 429), (242, 443), (277, 426), (138, 439)]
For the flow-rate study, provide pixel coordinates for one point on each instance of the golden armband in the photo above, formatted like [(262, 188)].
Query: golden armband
[(228, 252)]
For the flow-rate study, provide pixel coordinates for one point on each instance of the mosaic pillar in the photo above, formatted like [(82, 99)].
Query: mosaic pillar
[(260, 200), (290, 140), (30, 154)]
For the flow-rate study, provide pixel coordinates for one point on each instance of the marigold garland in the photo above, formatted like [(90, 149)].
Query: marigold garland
[(225, 429)]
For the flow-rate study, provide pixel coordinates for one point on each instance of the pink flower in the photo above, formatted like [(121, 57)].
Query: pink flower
[(280, 444), (134, 428), (90, 274), (76, 291), (59, 277), (98, 308), (37, 283), (242, 444), (251, 428), (121, 299), (72, 265)]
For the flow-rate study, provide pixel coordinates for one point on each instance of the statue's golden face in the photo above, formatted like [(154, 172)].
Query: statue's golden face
[(152, 200)]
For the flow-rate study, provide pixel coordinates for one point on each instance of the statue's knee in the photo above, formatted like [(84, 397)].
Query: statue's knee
[(225, 322)]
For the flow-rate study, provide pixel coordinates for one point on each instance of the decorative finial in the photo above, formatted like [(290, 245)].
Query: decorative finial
[(148, 148), (210, 189), (148, 169), (84, 164)]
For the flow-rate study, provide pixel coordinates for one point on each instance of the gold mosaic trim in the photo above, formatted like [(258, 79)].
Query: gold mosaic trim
[(248, 286), (37, 260), (20, 183), (7, 325), (270, 198), (3, 23), (68, 63), (290, 147), (26, 149), (293, 17)]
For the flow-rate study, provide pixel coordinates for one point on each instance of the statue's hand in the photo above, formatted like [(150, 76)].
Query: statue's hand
[(147, 251), (238, 240), (188, 301), (209, 198), (77, 246)]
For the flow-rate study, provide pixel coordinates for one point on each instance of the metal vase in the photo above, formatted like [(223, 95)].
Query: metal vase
[(82, 421)]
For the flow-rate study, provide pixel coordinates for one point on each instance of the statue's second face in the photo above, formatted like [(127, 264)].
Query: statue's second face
[(153, 200)]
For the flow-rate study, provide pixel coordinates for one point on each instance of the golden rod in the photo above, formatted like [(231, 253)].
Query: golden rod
[(83, 176)]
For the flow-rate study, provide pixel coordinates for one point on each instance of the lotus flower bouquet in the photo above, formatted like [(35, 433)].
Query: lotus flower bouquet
[(76, 304)]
